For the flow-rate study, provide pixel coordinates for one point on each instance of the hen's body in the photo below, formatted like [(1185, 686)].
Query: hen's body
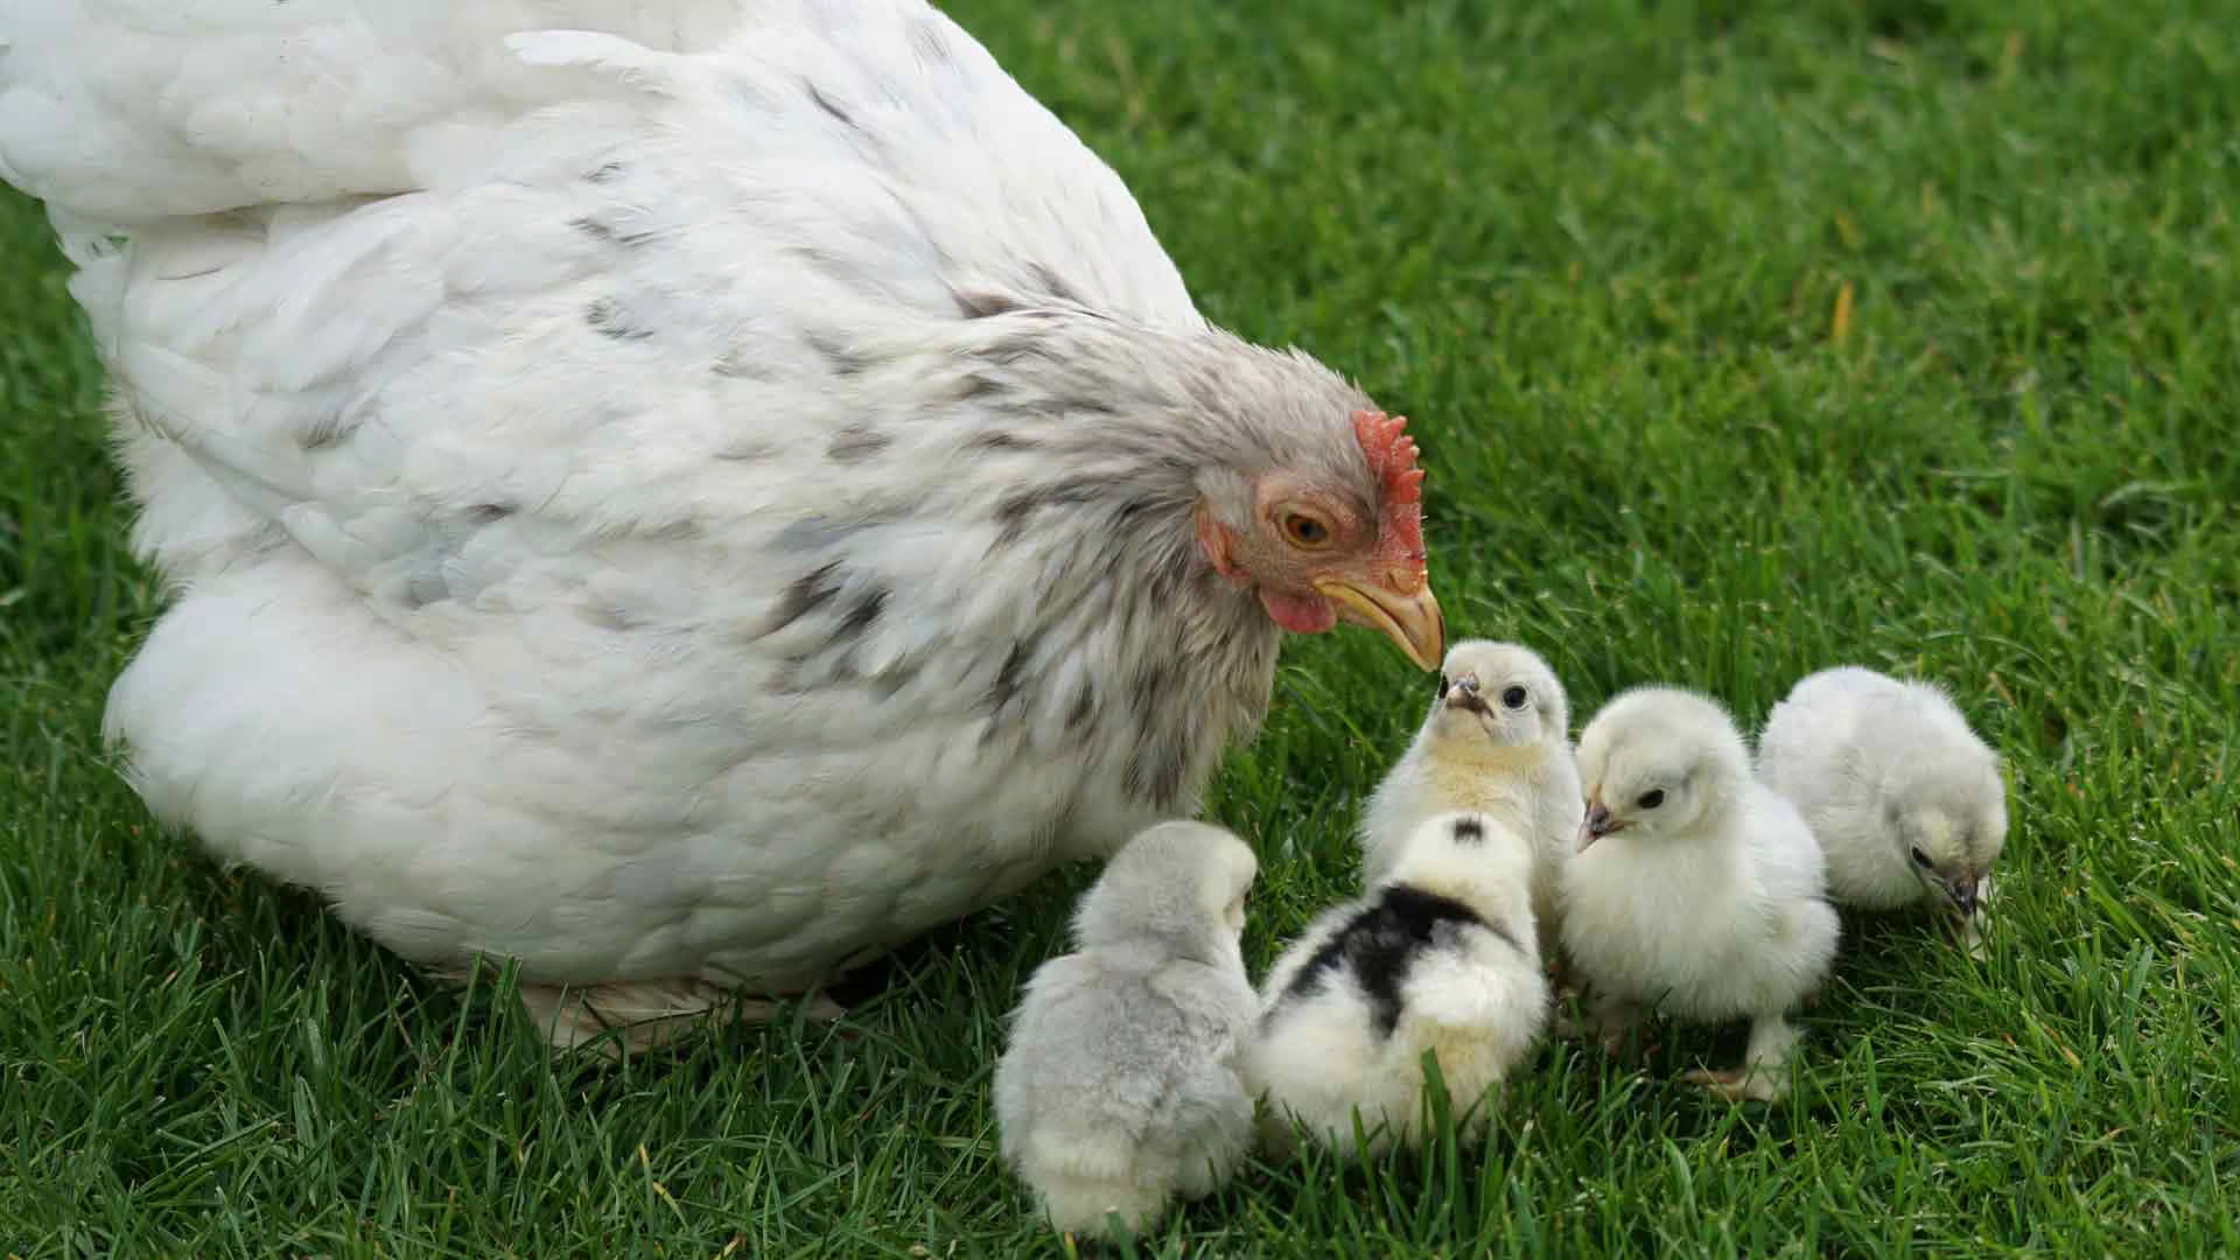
[(681, 519)]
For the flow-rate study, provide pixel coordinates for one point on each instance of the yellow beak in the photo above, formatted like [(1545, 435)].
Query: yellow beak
[(1411, 621)]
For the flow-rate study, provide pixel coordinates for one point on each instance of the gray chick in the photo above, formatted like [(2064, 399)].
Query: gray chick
[(1120, 1088), (1906, 802)]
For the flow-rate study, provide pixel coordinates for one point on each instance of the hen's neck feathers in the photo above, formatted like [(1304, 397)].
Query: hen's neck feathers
[(1089, 443), (1066, 453)]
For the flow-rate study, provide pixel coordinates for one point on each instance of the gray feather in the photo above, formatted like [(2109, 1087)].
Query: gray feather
[(1120, 1087)]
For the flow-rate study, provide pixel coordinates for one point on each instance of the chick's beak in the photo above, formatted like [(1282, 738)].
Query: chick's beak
[(1596, 825), (1402, 606), (1962, 890), (1464, 695)]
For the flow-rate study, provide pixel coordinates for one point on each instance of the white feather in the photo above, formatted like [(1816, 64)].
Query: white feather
[(1476, 753), (1700, 892), (1882, 770)]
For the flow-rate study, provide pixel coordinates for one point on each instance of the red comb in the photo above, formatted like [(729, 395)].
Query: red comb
[(1392, 455)]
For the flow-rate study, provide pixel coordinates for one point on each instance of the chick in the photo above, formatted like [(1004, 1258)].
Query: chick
[(1696, 890), (1496, 741), (1120, 1088), (1907, 804), (1440, 956)]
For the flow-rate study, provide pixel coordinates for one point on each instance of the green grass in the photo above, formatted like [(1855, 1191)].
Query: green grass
[(1596, 247)]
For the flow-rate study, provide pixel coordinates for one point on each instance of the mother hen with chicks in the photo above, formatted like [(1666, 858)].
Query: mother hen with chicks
[(687, 501)]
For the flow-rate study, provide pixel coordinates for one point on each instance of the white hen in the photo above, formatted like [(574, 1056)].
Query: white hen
[(1905, 800), (688, 502), (1696, 891)]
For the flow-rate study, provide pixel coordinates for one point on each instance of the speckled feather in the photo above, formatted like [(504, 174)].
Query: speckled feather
[(696, 499)]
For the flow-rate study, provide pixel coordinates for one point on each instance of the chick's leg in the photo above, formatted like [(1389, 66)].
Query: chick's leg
[(1764, 1074), (1614, 1020)]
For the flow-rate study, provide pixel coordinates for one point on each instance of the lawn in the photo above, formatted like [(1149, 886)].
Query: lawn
[(1742, 338)]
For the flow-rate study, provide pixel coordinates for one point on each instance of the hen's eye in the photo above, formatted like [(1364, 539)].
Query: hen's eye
[(1651, 798), (1919, 858), (1305, 531), (1514, 698)]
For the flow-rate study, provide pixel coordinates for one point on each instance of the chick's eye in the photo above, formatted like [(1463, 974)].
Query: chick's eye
[(1305, 531), (1919, 858), (1514, 698), (1651, 798)]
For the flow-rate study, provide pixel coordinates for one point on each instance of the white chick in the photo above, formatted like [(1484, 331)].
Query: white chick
[(1906, 802), (1696, 890), (1439, 957), (1496, 741), (1120, 1088)]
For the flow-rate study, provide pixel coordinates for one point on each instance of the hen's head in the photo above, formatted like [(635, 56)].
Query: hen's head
[(1203, 454), (1333, 532)]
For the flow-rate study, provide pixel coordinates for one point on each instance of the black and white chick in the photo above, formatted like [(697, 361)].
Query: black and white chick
[(1696, 890), (1440, 956), (1496, 741), (1121, 1086), (1906, 801)]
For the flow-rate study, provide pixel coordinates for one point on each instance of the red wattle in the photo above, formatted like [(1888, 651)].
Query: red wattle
[(1300, 614)]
